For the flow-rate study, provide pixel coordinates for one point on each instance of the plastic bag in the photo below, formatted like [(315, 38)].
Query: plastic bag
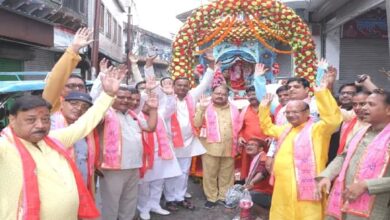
[(234, 194)]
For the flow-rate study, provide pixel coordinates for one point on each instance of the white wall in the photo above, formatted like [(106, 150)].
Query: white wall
[(332, 49)]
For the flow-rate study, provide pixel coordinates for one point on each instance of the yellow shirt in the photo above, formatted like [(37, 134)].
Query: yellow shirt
[(57, 78), (223, 148), (285, 204), (57, 186)]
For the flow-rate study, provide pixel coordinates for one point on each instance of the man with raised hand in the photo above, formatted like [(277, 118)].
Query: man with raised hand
[(183, 133), (58, 81), (39, 178), (301, 153)]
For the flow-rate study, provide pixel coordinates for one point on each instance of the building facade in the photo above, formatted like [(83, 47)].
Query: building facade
[(34, 34)]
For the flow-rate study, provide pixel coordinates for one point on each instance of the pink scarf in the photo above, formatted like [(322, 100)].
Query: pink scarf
[(177, 136), (304, 159), (112, 141), (93, 148), (212, 126), (373, 164), (31, 202), (164, 150)]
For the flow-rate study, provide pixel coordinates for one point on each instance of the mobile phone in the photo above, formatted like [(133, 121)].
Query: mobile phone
[(362, 78)]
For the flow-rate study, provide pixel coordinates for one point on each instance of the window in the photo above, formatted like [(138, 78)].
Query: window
[(82, 6), (108, 33), (115, 37), (120, 35), (101, 26)]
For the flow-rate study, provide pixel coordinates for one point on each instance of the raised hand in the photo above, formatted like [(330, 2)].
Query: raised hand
[(103, 65), (362, 79), (210, 58), (260, 69), (267, 99), (324, 84), (111, 81), (149, 60), (324, 183), (167, 86), (323, 63), (152, 101), (82, 38), (204, 101), (331, 74), (150, 84), (133, 58)]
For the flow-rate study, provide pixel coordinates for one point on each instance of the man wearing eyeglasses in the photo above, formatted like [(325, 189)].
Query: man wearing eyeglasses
[(84, 152), (301, 153), (360, 174), (60, 81)]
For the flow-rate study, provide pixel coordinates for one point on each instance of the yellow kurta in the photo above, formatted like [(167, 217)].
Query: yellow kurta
[(285, 204), (57, 186), (57, 78)]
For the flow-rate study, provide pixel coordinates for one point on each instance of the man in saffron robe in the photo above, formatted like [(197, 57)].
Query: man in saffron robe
[(39, 180), (219, 121), (301, 153), (361, 189)]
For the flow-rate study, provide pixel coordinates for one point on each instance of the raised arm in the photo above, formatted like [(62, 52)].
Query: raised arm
[(207, 79), (152, 102), (167, 105), (137, 77), (148, 68), (204, 102), (260, 81), (97, 83), (266, 124), (366, 82), (57, 78), (330, 114), (87, 122)]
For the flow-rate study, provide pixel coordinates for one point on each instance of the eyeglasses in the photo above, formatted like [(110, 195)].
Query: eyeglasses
[(73, 86), (347, 93), (79, 104), (294, 112)]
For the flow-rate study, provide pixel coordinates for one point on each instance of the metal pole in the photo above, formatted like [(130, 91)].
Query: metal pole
[(128, 44), (95, 44)]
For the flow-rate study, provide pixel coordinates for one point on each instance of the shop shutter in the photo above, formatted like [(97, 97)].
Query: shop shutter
[(10, 65), (364, 56)]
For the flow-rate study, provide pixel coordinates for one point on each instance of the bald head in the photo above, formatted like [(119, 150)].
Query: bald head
[(297, 112)]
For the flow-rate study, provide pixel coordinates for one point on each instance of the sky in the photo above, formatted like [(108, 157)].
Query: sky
[(159, 16)]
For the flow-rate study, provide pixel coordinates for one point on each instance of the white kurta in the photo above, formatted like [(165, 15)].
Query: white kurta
[(161, 168)]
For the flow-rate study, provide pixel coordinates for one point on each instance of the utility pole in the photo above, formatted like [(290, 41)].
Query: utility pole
[(95, 44), (129, 45)]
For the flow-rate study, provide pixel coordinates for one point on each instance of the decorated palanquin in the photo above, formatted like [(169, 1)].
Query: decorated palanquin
[(242, 33), (245, 31)]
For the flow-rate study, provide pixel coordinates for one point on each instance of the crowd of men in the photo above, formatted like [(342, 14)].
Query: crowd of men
[(306, 157)]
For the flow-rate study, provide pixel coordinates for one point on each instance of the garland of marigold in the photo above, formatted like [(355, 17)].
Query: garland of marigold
[(221, 38), (212, 35), (265, 44), (270, 31)]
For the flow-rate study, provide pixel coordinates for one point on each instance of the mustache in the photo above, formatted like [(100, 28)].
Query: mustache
[(40, 132)]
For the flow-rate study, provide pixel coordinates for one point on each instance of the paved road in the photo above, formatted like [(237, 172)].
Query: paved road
[(200, 213)]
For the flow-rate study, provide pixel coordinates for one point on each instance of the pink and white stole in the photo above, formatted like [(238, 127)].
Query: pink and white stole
[(373, 164), (112, 141), (304, 159), (164, 149), (177, 136), (213, 130)]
